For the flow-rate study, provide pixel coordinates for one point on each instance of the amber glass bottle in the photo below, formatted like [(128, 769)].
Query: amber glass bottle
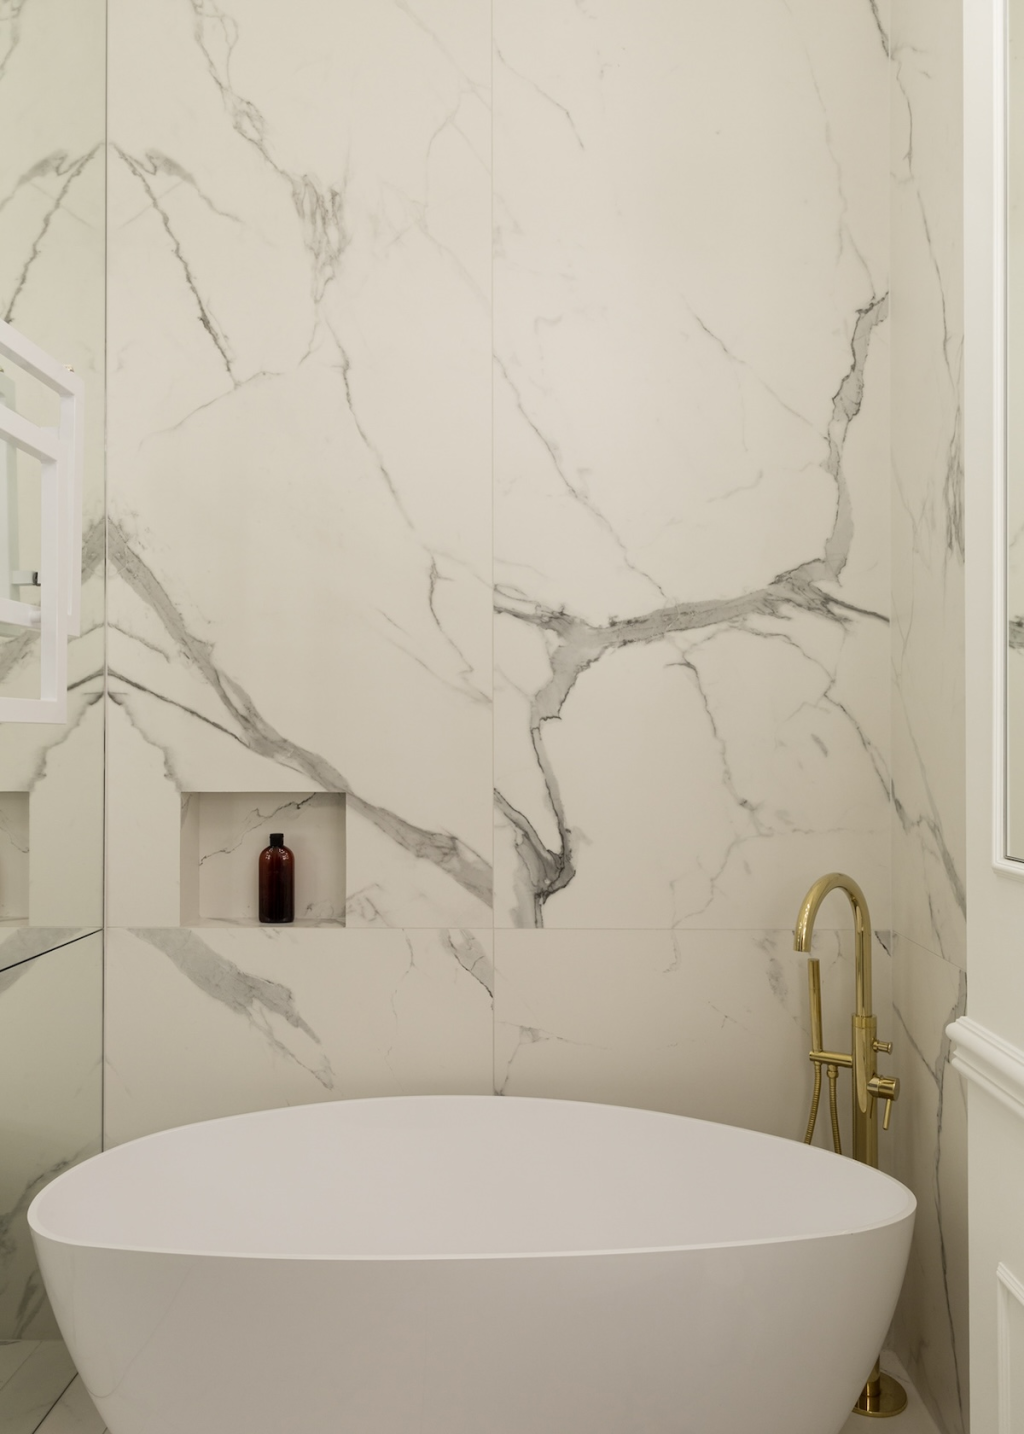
[(277, 882)]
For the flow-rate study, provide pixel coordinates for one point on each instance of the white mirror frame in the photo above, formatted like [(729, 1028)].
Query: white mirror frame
[(60, 453), (992, 137)]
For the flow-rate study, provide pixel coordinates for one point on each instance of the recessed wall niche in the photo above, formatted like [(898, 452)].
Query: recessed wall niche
[(222, 835), (13, 858)]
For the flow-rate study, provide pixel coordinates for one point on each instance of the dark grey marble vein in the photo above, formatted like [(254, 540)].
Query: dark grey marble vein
[(533, 1036), (939, 1073), (325, 236), (846, 405), (739, 362), (953, 498), (929, 822), (548, 99), (67, 169), (320, 208), (25, 943), (253, 998), (17, 649), (248, 727), (953, 492), (155, 162), (575, 490), (876, 16), (10, 19), (528, 1036), (206, 316), (575, 644), (471, 956), (469, 683), (932, 823), (14, 1240), (407, 9), (14, 650), (952, 358), (86, 702), (256, 817)]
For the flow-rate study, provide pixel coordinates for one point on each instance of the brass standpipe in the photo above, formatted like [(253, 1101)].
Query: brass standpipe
[(882, 1396)]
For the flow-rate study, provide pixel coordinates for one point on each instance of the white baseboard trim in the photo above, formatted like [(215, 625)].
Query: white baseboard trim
[(989, 1061)]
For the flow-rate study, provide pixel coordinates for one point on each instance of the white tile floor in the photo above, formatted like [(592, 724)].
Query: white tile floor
[(74, 1414), (32, 1375)]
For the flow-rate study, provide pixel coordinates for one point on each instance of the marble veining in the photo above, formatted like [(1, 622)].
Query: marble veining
[(50, 1019), (472, 957), (245, 724), (570, 452), (281, 1016), (576, 645), (928, 836), (254, 998), (942, 1074)]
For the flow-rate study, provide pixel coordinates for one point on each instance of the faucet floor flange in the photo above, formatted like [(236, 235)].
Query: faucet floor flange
[(891, 1399)]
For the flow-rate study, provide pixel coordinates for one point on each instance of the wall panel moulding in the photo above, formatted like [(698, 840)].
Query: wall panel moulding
[(222, 835)]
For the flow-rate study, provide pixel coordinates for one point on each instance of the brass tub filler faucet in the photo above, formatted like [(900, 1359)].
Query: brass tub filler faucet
[(882, 1396)]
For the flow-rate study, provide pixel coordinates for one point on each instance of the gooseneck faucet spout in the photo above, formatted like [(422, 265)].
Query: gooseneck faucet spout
[(881, 1395), (836, 881)]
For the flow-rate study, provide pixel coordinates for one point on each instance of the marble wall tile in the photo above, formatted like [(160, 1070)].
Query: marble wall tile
[(56, 773), (930, 1332), (928, 763), (691, 433), (711, 1024), (733, 531), (300, 496), (927, 512), (210, 1022), (13, 857), (52, 281), (681, 422), (50, 1106), (52, 288)]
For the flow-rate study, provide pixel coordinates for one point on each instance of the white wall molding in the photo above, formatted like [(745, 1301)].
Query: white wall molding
[(989, 1061), (1009, 1288)]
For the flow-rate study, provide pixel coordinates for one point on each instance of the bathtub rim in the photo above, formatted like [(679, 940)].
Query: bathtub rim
[(37, 1228)]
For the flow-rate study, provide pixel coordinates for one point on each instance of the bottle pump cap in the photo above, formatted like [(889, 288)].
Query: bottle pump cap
[(277, 838)]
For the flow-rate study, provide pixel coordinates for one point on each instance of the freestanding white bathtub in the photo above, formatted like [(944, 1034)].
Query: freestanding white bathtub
[(471, 1265)]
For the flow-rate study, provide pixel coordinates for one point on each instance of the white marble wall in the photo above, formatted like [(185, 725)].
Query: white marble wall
[(50, 1098), (929, 965), (499, 399), (691, 430), (51, 778), (52, 288), (646, 421)]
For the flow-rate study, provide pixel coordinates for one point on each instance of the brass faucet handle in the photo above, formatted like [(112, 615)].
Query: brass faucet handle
[(885, 1088), (883, 1048)]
